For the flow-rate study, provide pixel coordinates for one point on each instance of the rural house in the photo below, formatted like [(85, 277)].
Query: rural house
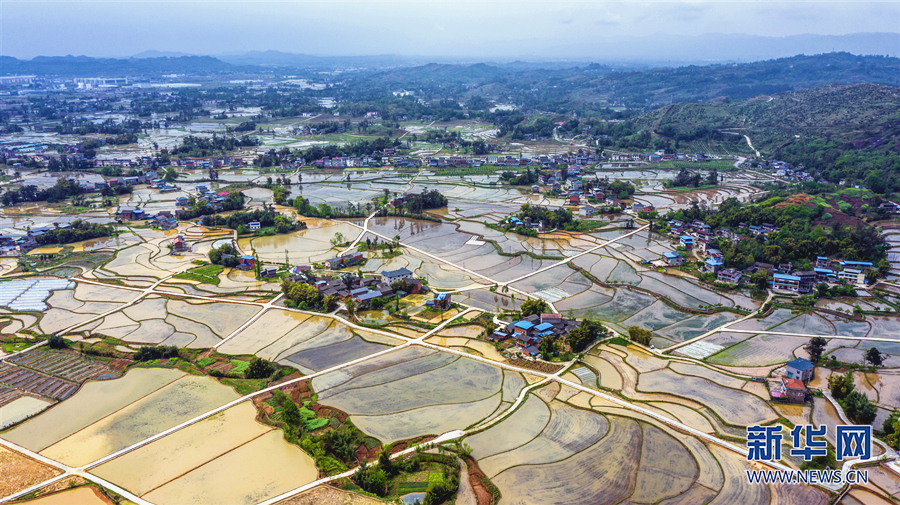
[(800, 368), (673, 259), (794, 390), (729, 276), (391, 276)]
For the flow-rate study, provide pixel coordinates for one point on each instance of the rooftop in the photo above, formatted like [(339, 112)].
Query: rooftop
[(396, 273), (793, 383), (800, 364), (525, 325)]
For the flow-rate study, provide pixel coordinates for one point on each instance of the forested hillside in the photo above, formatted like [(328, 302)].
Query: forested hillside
[(844, 131)]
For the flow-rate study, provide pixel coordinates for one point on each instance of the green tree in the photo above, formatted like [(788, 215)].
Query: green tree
[(874, 357), (841, 385), (171, 175), (872, 275), (351, 307), (290, 413), (760, 278), (859, 408), (384, 461), (891, 429), (815, 348), (581, 337), (279, 195), (534, 306), (56, 342), (639, 335), (259, 369), (343, 443), (547, 348), (371, 479)]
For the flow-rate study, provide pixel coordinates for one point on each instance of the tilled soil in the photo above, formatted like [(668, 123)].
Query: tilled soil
[(20, 472)]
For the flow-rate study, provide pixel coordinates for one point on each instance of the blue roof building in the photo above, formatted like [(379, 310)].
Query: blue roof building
[(800, 364), (524, 325), (368, 296), (800, 369), (670, 255), (543, 327), (856, 264)]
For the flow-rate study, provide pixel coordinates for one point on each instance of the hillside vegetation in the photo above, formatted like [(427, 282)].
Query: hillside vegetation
[(842, 131)]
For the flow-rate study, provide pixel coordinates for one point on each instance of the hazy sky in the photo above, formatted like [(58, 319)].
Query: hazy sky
[(486, 28)]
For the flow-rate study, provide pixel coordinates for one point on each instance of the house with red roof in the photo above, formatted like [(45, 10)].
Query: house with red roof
[(793, 390)]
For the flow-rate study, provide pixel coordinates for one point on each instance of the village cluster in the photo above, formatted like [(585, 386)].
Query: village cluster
[(697, 236)]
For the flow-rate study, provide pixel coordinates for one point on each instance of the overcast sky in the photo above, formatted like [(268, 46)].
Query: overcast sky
[(483, 28)]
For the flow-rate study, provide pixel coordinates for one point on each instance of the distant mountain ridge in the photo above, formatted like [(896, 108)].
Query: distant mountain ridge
[(84, 66), (575, 86)]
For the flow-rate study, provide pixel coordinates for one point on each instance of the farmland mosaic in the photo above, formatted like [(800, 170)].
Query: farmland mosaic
[(393, 331)]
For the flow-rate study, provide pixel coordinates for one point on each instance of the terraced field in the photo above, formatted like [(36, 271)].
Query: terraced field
[(556, 453), (556, 443)]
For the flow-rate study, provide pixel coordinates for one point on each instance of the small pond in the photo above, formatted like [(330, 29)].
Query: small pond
[(412, 498)]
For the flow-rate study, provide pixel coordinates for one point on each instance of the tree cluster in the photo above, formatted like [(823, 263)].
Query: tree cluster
[(580, 337), (147, 353), (234, 201), (688, 179), (639, 335), (224, 255), (855, 404), (304, 296), (77, 231), (427, 200), (799, 237), (266, 217)]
